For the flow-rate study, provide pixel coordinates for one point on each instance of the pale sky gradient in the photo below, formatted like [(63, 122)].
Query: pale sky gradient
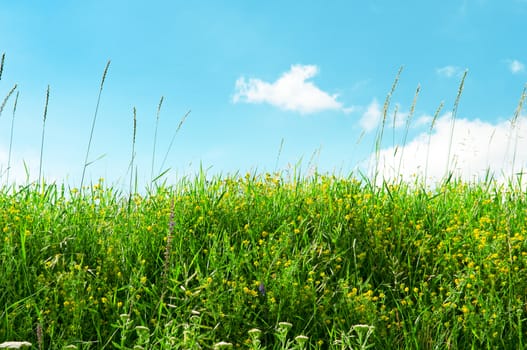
[(269, 85)]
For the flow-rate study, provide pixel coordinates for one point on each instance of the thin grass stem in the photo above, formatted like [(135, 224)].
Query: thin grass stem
[(40, 179), (4, 102), (155, 138), (2, 61), (132, 155), (407, 126), (514, 123), (380, 133), (279, 154), (172, 140), (453, 122), (394, 126), (11, 137), (432, 124), (93, 123)]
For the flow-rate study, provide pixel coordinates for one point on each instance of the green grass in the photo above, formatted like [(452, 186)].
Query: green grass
[(189, 264), (264, 261)]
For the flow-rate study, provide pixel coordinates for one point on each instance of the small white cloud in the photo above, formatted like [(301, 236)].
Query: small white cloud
[(516, 66), (292, 91), (449, 71), (371, 118), (349, 110), (477, 147), (424, 120)]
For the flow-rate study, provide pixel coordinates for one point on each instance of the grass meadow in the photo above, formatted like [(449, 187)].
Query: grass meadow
[(265, 261)]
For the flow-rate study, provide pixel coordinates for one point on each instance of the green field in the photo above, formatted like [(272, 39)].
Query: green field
[(347, 264), (265, 261)]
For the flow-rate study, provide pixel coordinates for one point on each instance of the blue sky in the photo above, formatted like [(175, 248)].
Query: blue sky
[(268, 84)]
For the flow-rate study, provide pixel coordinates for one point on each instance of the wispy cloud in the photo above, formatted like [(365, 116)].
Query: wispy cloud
[(516, 66), (371, 117), (292, 91), (477, 147), (449, 71)]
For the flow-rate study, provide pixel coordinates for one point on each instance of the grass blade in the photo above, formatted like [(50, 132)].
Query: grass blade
[(380, 133), (173, 138), (407, 126), (132, 157), (2, 61), (453, 122), (278, 155), (432, 124), (11, 137), (514, 121), (155, 138), (40, 179), (93, 123), (7, 98)]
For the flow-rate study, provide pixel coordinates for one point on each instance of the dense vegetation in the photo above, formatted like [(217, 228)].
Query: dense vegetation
[(230, 259), (264, 261)]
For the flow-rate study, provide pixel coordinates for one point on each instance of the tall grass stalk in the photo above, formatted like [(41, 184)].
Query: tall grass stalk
[(313, 161), (407, 126), (11, 137), (280, 148), (132, 157), (378, 140), (155, 138), (161, 171), (40, 178), (2, 61), (4, 102), (515, 128), (488, 174), (93, 123), (432, 125), (394, 127), (453, 123)]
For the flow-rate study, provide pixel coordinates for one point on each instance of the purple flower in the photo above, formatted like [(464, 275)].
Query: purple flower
[(261, 288)]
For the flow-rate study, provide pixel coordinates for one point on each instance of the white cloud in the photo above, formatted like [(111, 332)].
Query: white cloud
[(292, 91), (423, 120), (372, 117), (516, 66), (477, 147), (449, 71)]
